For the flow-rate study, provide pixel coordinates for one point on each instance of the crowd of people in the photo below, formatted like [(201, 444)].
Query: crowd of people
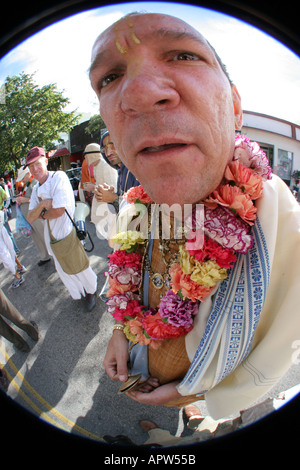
[(48, 196), (212, 322)]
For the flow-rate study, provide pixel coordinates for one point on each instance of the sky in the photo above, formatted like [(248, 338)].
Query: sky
[(266, 73)]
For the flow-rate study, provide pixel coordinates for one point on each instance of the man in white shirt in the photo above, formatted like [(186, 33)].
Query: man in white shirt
[(50, 200)]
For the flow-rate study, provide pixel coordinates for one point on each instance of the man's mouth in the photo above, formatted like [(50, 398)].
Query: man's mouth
[(161, 148)]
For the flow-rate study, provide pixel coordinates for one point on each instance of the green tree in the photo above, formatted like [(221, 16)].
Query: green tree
[(30, 116), (95, 124)]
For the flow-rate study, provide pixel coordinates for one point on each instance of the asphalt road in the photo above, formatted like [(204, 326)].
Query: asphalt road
[(62, 379)]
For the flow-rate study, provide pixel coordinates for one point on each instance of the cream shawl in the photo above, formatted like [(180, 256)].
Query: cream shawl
[(270, 341)]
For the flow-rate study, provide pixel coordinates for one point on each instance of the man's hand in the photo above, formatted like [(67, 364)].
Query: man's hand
[(105, 193), (22, 200), (151, 393), (116, 358), (35, 213), (90, 187)]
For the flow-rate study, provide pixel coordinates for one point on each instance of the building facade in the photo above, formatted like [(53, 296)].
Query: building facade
[(279, 139)]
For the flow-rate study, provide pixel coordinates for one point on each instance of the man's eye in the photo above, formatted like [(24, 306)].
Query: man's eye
[(107, 80), (185, 56)]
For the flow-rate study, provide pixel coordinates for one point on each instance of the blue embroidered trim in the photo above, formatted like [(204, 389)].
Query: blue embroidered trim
[(227, 324)]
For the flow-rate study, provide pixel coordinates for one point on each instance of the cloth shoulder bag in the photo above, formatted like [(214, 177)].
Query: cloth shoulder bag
[(69, 252)]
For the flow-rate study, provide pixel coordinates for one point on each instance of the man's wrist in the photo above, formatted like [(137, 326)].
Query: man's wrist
[(43, 213), (118, 327)]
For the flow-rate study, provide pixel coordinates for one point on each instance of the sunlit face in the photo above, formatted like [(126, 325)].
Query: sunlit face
[(170, 108), (110, 151), (38, 169)]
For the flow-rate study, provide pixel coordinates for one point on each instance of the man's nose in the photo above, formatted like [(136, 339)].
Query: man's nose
[(147, 91), (110, 150)]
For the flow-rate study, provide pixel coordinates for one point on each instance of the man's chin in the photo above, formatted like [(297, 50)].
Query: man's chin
[(114, 161), (169, 194)]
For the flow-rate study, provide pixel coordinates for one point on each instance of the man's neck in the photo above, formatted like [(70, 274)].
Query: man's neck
[(44, 179)]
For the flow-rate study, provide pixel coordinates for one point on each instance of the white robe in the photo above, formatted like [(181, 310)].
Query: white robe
[(58, 188), (7, 252), (101, 214)]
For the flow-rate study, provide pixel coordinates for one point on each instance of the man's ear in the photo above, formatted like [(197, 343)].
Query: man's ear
[(237, 104)]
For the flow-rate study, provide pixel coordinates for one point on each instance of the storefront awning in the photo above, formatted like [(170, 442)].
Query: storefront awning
[(58, 153)]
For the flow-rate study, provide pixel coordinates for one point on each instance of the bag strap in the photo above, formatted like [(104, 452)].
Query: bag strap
[(71, 219), (50, 233)]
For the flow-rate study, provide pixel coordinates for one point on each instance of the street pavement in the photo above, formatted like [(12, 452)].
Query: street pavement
[(62, 379)]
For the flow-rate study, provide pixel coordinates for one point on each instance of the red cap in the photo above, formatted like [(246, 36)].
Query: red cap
[(34, 154)]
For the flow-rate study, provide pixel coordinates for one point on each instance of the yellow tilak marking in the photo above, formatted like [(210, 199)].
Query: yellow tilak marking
[(52, 410), (121, 49), (132, 32)]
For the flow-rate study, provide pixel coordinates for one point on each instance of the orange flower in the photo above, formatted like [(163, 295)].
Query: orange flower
[(188, 288), (136, 327), (234, 198), (137, 333), (117, 288), (245, 178)]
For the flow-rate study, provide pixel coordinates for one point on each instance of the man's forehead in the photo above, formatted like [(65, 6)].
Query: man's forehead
[(107, 140), (39, 160), (144, 26)]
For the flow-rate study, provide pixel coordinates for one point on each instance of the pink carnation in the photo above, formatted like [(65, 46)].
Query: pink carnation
[(250, 155), (117, 288), (124, 275), (194, 226), (226, 229), (122, 305), (178, 311), (137, 194)]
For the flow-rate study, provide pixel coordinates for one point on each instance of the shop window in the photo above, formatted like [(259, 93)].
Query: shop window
[(285, 164)]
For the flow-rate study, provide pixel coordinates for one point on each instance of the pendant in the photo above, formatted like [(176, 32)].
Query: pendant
[(157, 280)]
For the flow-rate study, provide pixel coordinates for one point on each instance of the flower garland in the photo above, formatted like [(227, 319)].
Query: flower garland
[(229, 214)]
